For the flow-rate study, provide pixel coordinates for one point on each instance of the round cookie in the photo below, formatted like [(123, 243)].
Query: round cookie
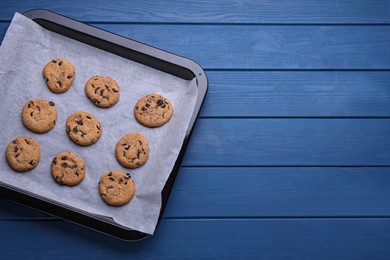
[(102, 91), (68, 169), (116, 188), (39, 115), (153, 110), (23, 154), (83, 128), (59, 74), (132, 150)]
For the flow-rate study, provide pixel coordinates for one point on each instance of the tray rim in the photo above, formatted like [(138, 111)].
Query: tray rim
[(78, 216)]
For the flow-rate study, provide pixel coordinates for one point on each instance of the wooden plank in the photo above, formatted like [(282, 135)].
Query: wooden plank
[(268, 47), (202, 11), (289, 142), (205, 239), (297, 93), (266, 192)]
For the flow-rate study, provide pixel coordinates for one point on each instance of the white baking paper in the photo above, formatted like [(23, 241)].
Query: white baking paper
[(25, 50)]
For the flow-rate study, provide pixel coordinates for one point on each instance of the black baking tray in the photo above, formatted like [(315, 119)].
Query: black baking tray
[(147, 55)]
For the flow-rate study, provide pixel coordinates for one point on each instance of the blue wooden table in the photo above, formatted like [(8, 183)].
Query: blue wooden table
[(290, 157)]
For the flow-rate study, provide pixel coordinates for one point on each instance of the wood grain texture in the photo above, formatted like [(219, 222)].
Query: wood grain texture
[(267, 47), (297, 94), (202, 11), (201, 239), (265, 192), (289, 142)]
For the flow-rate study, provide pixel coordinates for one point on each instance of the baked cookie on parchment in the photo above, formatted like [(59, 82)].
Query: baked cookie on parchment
[(153, 110), (116, 188), (132, 150), (83, 128), (23, 154), (59, 74), (68, 169), (39, 115), (102, 91)]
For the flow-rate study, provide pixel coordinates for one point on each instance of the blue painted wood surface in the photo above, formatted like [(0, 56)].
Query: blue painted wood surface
[(290, 157)]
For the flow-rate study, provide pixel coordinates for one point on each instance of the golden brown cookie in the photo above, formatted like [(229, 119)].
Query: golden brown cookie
[(132, 150), (39, 115), (102, 91), (83, 128), (23, 154), (116, 188), (59, 74), (68, 169), (153, 110)]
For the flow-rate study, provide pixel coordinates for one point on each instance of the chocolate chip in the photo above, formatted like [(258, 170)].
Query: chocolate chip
[(110, 174), (98, 127), (77, 174), (32, 162), (64, 165), (88, 117), (54, 61), (107, 87), (54, 122), (55, 161), (111, 178), (147, 105), (31, 114), (16, 149), (138, 154), (47, 79), (69, 76), (163, 106), (127, 148), (128, 176), (114, 90), (64, 158), (27, 141), (74, 129), (60, 63), (51, 103), (139, 142), (143, 108), (160, 102), (136, 108), (101, 92), (152, 96), (59, 83), (120, 180), (79, 122), (14, 142)]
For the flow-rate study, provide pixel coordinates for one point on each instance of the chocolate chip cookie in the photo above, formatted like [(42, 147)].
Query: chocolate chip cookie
[(83, 128), (132, 150), (116, 188), (68, 169), (23, 154), (102, 91), (39, 115), (59, 74), (153, 110)]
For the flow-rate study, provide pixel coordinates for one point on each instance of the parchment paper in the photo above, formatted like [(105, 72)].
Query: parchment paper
[(25, 50)]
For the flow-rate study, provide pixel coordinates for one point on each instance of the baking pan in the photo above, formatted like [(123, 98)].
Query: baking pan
[(155, 58)]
